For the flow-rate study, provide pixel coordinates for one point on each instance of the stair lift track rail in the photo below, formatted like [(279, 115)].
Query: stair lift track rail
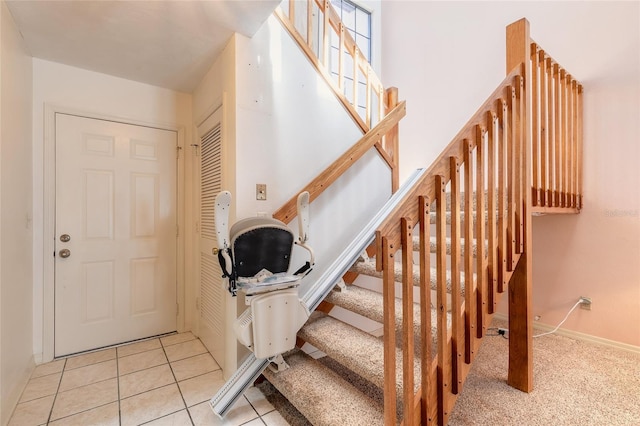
[(252, 367)]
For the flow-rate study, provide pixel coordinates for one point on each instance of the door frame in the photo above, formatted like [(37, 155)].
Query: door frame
[(49, 203)]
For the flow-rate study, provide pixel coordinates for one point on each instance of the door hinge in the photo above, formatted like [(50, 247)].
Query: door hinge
[(177, 230), (197, 303), (177, 309), (197, 226), (178, 148)]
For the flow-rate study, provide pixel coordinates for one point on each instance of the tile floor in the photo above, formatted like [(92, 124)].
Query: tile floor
[(165, 381)]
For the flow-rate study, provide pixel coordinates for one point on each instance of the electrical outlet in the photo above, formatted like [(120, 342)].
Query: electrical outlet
[(585, 303)]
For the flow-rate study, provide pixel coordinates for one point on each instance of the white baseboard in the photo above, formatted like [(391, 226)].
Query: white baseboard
[(579, 336)]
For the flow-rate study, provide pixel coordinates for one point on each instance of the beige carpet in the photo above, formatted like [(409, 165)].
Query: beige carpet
[(576, 383)]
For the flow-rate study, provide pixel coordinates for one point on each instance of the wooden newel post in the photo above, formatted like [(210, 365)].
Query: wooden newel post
[(520, 288), (391, 145)]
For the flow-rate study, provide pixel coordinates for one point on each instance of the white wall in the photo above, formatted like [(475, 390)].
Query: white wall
[(287, 127), (457, 58), (93, 93), (16, 355), (290, 128)]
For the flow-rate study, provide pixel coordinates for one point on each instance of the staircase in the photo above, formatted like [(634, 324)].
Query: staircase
[(446, 252)]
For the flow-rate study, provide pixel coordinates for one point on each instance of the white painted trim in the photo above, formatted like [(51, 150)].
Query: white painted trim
[(49, 175), (576, 335)]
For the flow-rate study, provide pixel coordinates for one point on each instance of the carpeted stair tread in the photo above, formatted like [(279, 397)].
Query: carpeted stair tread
[(369, 304), (322, 396), (357, 350), (369, 268), (433, 248)]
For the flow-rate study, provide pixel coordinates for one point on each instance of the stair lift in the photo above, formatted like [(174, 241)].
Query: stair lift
[(222, 402), (254, 256)]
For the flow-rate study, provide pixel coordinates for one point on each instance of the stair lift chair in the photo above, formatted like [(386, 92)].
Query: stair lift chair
[(254, 256)]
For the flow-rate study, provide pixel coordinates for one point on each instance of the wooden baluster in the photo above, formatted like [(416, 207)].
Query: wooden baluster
[(456, 343), (356, 52), (511, 184), (536, 115), (544, 134), (425, 305), (389, 297), (407, 318), (558, 134), (341, 60), (563, 138), (550, 133), (468, 243), (325, 34), (492, 278), (368, 100), (292, 12), (574, 143), (477, 307), (579, 143), (381, 103), (444, 350), (502, 207), (518, 169), (309, 23)]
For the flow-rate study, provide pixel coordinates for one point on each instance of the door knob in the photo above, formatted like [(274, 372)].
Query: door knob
[(64, 253), (65, 238)]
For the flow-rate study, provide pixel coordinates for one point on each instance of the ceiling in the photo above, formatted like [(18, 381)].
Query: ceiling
[(170, 43)]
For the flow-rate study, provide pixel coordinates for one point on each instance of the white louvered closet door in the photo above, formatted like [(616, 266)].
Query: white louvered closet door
[(211, 287)]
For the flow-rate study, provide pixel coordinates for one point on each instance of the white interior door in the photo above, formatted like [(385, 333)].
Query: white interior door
[(212, 292), (116, 202)]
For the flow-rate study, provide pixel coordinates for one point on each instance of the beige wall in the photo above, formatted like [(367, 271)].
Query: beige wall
[(458, 58), (16, 355)]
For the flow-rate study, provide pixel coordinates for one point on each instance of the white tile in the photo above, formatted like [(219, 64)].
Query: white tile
[(41, 387), (141, 361), (145, 380), (90, 358), (88, 374), (201, 388), (254, 422), (177, 338), (150, 405), (48, 368), (32, 413), (181, 418), (241, 413), (194, 366), (185, 350), (84, 398), (106, 415), (274, 418), (258, 401), (135, 348)]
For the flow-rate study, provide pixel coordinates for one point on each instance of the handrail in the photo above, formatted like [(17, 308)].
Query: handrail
[(557, 135), (491, 141), (318, 185)]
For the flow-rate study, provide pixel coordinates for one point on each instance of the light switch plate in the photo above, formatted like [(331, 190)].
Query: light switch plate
[(261, 191)]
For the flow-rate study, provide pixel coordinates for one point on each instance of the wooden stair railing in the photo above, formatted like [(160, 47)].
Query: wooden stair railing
[(488, 172), (316, 27), (557, 136), (318, 185)]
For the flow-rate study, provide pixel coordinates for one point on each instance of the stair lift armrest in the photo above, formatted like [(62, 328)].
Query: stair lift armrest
[(303, 232)]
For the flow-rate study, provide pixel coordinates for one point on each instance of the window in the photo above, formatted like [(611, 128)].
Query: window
[(357, 22)]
